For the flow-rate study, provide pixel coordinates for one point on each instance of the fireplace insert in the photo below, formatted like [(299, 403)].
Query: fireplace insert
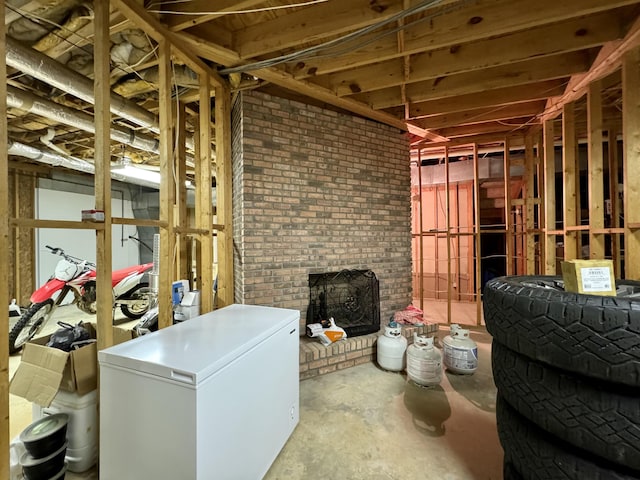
[(351, 297)]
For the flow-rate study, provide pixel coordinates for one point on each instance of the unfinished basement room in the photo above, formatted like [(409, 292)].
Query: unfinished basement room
[(320, 239)]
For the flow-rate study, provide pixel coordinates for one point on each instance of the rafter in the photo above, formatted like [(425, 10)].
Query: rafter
[(547, 68)]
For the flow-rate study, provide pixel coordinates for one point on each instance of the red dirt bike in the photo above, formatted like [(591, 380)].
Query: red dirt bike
[(130, 293)]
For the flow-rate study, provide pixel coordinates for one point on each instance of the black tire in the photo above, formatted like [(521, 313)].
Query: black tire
[(592, 335), (509, 471), (590, 415), (538, 456), (135, 312), (29, 325)]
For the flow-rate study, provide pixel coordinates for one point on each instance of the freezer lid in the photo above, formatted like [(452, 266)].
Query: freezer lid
[(194, 349)]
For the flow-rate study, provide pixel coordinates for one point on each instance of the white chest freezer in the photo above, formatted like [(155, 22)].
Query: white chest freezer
[(215, 397)]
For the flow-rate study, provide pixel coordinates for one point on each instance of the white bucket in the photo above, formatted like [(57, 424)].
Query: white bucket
[(82, 430)]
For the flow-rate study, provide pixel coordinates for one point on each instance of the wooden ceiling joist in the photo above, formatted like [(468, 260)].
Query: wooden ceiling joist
[(546, 68), (480, 20), (576, 34)]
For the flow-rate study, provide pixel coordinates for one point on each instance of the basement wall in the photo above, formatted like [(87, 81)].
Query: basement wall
[(317, 191)]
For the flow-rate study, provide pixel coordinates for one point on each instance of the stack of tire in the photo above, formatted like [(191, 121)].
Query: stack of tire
[(567, 370)]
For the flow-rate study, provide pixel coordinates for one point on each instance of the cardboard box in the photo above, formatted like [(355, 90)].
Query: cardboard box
[(45, 370), (594, 277)]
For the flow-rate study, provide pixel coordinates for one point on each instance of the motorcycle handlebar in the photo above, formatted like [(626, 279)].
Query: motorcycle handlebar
[(59, 251)]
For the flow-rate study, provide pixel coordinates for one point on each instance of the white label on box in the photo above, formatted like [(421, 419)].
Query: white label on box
[(595, 279)]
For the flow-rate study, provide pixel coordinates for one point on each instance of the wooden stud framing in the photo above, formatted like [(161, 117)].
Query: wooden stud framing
[(183, 268), (595, 175), (477, 236), (448, 227), (507, 209), (530, 240), (421, 226), (224, 199), (549, 198), (204, 208), (539, 201), (631, 161), (614, 195), (167, 188), (102, 92), (569, 173), (4, 260)]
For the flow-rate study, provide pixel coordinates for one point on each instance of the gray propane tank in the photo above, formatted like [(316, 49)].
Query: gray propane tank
[(391, 348), (460, 351), (424, 361)]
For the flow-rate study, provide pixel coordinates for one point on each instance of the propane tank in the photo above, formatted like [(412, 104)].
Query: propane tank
[(391, 347), (460, 352), (424, 361)]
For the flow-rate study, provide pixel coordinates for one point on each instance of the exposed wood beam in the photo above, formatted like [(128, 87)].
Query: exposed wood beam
[(482, 128), (223, 56), (181, 19), (569, 172), (631, 161), (596, 171), (516, 140), (608, 60), (166, 274), (549, 240), (573, 35), (481, 115), (482, 19), (224, 210), (489, 98), (4, 261), (547, 68), (307, 25), (203, 206), (156, 30), (102, 179)]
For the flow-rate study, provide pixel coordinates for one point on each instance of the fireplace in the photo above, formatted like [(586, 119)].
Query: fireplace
[(351, 297)]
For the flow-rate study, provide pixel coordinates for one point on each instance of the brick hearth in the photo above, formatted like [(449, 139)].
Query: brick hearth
[(316, 359)]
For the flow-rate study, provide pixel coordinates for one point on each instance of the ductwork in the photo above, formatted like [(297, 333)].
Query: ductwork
[(30, 103), (55, 160), (49, 71)]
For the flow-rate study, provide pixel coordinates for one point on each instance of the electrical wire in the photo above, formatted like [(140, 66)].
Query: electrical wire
[(237, 12), (313, 52)]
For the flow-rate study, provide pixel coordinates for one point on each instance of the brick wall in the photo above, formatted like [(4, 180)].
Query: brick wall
[(317, 191)]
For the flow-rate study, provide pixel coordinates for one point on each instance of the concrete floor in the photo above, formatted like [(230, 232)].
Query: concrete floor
[(364, 422)]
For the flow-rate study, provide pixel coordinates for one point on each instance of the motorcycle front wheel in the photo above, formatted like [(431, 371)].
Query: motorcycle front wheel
[(29, 325), (137, 309)]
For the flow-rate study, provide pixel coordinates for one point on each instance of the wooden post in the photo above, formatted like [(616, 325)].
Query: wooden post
[(421, 226), (167, 188), (447, 205), (204, 207), (530, 251), (549, 199), (183, 268), (102, 91), (614, 195), (596, 171), (224, 209), (477, 236), (631, 161), (569, 172), (507, 209), (4, 260)]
